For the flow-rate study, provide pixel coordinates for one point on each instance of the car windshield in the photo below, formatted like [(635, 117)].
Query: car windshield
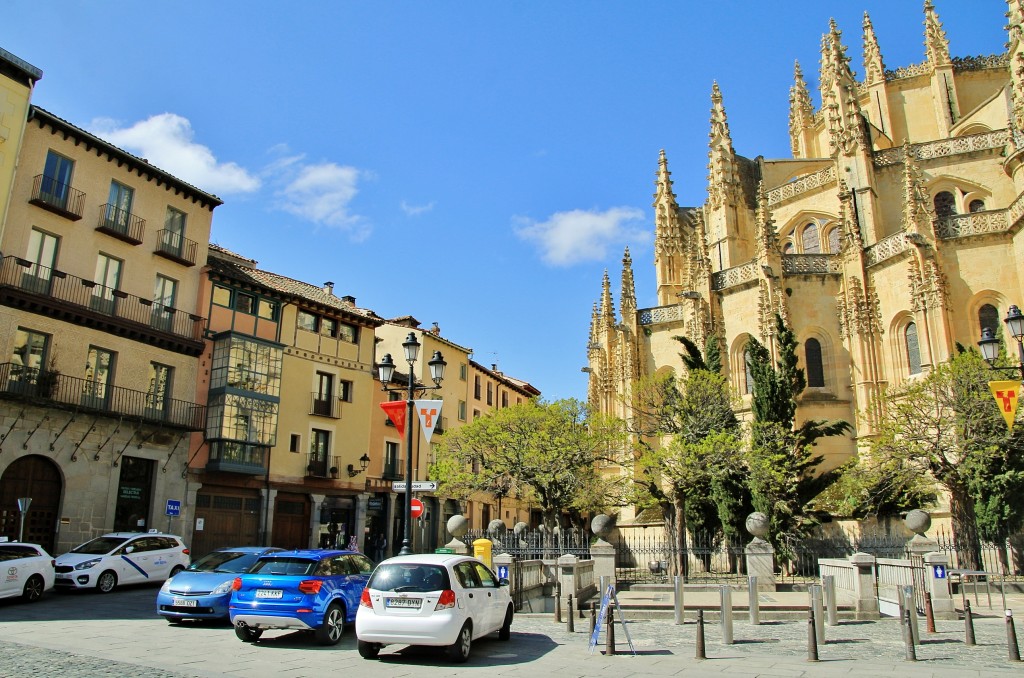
[(224, 561), (409, 577), (100, 545), (295, 566)]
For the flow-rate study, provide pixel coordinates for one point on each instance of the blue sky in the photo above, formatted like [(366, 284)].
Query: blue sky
[(474, 164)]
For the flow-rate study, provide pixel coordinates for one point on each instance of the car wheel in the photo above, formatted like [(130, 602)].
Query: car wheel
[(329, 632), (107, 582), (33, 589), (459, 650), (175, 570), (505, 632), (368, 650), (247, 634)]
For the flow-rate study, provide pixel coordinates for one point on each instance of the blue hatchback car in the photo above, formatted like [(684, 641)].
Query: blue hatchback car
[(203, 590), (314, 590)]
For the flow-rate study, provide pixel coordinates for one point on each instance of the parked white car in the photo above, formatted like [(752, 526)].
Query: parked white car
[(121, 558), (26, 570), (432, 599)]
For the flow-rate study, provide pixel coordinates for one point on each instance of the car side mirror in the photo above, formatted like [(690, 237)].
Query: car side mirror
[(129, 549), (503, 582)]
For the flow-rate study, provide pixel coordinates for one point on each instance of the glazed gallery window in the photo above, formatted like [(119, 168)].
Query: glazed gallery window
[(247, 365), (242, 419), (28, 355), (912, 348), (307, 321)]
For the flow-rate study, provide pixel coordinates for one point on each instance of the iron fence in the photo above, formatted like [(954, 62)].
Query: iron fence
[(536, 544)]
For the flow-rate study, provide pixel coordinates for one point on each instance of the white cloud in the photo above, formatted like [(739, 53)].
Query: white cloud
[(416, 210), (167, 141), (321, 193), (568, 238)]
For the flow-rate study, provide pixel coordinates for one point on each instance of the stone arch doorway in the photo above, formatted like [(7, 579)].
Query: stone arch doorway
[(38, 477)]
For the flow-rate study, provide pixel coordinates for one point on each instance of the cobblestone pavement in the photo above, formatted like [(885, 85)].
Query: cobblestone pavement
[(79, 635)]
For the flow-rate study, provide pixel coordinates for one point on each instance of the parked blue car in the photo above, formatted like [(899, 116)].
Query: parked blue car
[(314, 590), (203, 590)]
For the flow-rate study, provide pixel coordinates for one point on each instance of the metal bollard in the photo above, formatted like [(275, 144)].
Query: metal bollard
[(814, 591), (726, 612), (609, 638), (558, 603), (1011, 638), (929, 614), (908, 638), (593, 617), (911, 608), (828, 586), (677, 598), (569, 625), (968, 624), (753, 602), (812, 636), (700, 635)]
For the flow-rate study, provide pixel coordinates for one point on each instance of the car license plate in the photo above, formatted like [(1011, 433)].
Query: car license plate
[(184, 602), (401, 602), (269, 593)]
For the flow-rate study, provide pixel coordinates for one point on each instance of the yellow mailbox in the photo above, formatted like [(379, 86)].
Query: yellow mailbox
[(482, 550)]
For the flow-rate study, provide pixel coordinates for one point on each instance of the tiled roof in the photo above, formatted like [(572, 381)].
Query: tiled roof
[(134, 162), (289, 287)]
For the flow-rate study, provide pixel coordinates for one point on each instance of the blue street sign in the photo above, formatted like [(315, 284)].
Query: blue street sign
[(940, 571), (173, 507), (502, 571)]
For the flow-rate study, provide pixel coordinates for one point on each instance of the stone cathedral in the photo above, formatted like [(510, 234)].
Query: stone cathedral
[(894, 232)]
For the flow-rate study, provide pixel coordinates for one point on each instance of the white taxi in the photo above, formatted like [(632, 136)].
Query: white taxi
[(26, 570), (121, 558), (432, 599)]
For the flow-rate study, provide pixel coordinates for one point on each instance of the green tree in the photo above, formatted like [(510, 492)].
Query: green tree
[(548, 450), (947, 425)]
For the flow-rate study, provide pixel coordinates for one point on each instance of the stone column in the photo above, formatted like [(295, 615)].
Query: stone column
[(936, 580), (759, 553), (567, 577), (865, 602), (268, 499), (317, 501), (362, 500)]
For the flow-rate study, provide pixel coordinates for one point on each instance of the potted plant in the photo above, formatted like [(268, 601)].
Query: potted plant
[(334, 471)]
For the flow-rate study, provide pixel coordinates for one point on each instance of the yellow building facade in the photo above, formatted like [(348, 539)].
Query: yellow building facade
[(891, 234)]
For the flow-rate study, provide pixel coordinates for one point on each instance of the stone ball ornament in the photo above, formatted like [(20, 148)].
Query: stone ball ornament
[(757, 524), (602, 525), (496, 527), (520, 527), (918, 521), (458, 526)]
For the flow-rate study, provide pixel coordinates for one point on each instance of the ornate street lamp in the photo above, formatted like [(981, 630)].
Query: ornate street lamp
[(386, 369), (989, 344)]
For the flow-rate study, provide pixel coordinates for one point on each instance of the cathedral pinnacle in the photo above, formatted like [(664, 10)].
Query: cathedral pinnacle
[(722, 178), (874, 68), (916, 212), (801, 110), (663, 182), (628, 295), (607, 308), (835, 65), (936, 45)]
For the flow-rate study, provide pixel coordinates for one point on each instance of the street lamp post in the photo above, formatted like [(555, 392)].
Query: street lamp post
[(989, 344), (386, 369)]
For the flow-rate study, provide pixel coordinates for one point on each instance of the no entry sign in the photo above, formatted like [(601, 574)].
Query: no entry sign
[(416, 508)]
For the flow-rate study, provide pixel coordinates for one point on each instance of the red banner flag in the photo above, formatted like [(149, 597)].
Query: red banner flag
[(397, 411)]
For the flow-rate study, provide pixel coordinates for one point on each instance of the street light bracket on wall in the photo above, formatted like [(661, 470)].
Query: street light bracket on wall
[(989, 344), (364, 461)]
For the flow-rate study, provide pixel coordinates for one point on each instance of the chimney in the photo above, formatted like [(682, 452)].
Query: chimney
[(494, 367), (329, 287), (436, 330), (349, 299)]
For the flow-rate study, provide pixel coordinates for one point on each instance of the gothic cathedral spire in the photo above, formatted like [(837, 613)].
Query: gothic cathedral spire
[(722, 178), (627, 297), (801, 115), (874, 68), (936, 45)]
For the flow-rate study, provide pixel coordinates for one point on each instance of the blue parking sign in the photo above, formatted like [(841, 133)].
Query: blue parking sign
[(940, 571), (173, 507), (502, 571)]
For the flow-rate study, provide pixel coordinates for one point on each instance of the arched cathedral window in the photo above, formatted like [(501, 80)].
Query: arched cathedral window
[(748, 376), (913, 349), (988, 318), (945, 204), (812, 361), (833, 241), (976, 206), (810, 240)]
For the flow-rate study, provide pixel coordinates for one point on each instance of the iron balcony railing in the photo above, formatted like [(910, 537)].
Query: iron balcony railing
[(100, 300), (121, 224), (45, 386), (174, 246), (392, 470), (320, 466), (323, 405), (57, 197)]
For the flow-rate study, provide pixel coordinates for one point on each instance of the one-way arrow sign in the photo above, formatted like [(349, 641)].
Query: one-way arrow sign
[(417, 486)]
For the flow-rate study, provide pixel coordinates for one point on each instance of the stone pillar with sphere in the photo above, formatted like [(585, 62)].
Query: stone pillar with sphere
[(496, 533), (601, 551), (457, 527), (759, 553), (925, 553)]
